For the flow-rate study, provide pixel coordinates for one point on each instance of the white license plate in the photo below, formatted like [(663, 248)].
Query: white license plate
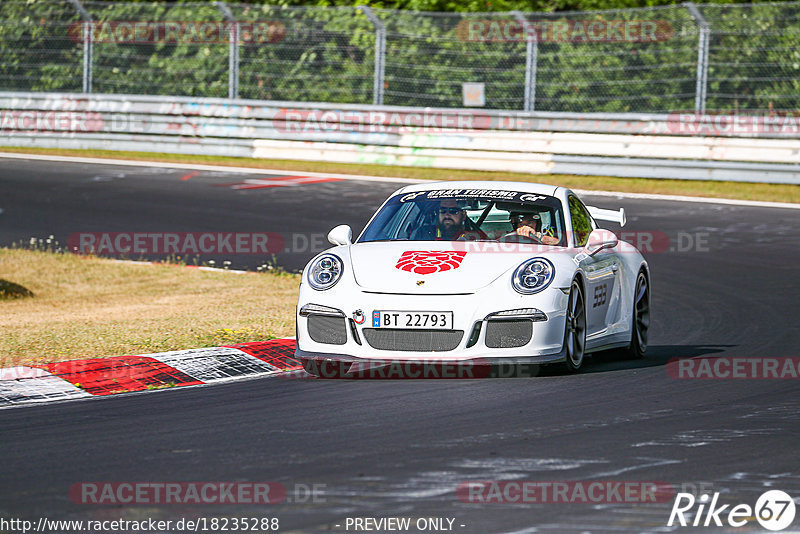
[(412, 319)]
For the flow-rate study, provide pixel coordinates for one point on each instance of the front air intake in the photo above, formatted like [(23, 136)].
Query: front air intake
[(508, 334), (327, 329), (408, 340)]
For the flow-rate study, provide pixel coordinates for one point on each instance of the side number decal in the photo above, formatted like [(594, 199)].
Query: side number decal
[(600, 293)]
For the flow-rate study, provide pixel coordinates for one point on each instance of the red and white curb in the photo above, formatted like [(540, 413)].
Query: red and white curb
[(79, 379)]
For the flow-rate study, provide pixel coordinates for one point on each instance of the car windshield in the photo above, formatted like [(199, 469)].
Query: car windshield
[(469, 215)]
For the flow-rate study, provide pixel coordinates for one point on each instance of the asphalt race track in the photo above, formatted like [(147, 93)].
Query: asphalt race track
[(724, 284), (44, 198)]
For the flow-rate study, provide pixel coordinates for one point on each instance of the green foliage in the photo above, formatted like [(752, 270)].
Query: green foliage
[(327, 54), (163, 68), (755, 57), (36, 52), (322, 55)]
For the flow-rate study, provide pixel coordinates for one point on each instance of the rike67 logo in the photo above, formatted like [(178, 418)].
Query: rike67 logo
[(429, 261), (774, 510)]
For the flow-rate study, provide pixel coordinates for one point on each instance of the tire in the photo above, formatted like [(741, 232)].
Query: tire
[(641, 317), (575, 330)]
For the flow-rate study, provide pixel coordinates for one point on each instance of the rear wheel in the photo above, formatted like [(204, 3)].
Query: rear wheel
[(575, 335), (641, 317)]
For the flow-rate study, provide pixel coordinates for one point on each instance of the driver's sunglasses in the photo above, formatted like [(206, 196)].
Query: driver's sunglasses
[(526, 217), (451, 211)]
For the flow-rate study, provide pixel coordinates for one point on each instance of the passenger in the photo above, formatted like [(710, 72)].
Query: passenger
[(530, 225)]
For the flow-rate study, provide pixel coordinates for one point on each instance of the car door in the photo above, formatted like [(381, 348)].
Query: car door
[(602, 272)]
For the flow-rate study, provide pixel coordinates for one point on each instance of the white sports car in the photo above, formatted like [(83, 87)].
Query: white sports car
[(502, 272)]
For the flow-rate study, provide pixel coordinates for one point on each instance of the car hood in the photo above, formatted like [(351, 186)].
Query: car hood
[(427, 268)]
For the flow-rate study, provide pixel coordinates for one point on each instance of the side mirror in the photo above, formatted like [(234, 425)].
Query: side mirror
[(341, 235), (600, 239)]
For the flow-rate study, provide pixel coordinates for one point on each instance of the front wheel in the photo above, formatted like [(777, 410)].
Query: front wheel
[(575, 335), (641, 317)]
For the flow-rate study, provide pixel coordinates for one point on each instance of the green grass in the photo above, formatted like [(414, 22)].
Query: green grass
[(698, 188), (88, 307)]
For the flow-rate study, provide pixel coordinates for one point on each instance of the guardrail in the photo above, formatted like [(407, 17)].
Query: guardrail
[(761, 149)]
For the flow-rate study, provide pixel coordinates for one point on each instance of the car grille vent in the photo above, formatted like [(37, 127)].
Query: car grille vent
[(508, 334), (413, 340), (326, 329)]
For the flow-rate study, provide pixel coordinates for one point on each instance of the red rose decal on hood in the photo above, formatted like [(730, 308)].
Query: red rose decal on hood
[(429, 261)]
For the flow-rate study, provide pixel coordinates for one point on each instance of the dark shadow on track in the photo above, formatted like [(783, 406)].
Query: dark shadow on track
[(600, 362), (616, 360)]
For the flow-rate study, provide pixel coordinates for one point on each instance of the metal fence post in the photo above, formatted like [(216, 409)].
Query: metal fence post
[(702, 57), (531, 60), (380, 55), (233, 50), (88, 31)]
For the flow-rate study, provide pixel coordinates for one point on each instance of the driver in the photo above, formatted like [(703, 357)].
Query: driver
[(530, 225), (450, 223)]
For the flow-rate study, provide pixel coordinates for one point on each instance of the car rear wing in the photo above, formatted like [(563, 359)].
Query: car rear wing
[(608, 215)]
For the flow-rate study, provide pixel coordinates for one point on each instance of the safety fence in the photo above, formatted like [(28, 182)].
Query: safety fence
[(686, 146), (729, 58)]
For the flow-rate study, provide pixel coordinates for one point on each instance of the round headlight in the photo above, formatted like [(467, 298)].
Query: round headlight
[(533, 276), (325, 272)]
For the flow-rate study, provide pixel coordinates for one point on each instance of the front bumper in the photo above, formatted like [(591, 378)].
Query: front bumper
[(469, 311)]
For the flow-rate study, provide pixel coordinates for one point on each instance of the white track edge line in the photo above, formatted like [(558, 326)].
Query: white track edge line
[(368, 178), (202, 167), (680, 198)]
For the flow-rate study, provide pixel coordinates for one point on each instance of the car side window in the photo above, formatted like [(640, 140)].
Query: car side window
[(581, 220)]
